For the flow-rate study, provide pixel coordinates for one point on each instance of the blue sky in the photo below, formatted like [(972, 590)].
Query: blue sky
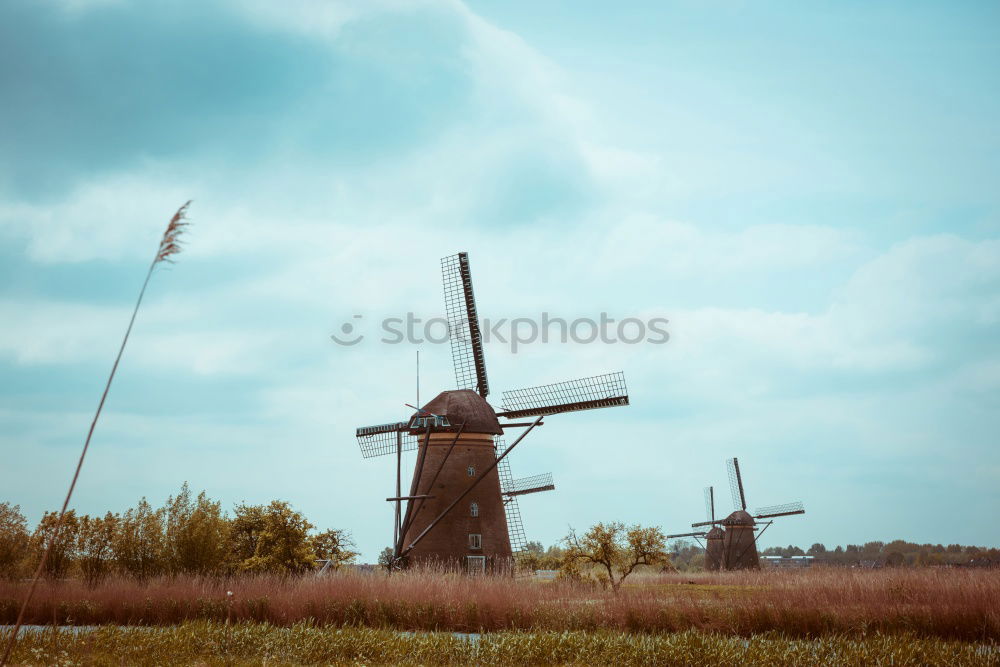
[(806, 193)]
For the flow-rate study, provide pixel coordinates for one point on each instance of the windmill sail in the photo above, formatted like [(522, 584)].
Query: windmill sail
[(676, 535), (599, 391), (710, 503), (736, 484), (515, 529), (772, 511), (526, 485), (380, 440), (463, 325)]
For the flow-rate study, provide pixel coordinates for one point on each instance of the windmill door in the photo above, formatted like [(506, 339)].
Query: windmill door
[(475, 564)]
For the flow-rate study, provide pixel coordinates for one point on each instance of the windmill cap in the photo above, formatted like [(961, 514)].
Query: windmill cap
[(461, 406), (739, 518), (714, 534)]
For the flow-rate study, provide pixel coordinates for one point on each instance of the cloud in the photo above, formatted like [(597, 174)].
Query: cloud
[(334, 152)]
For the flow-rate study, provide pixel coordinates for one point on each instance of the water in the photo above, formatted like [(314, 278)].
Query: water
[(26, 629)]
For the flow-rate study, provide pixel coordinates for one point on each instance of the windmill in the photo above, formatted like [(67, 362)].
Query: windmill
[(739, 544), (461, 509), (713, 536)]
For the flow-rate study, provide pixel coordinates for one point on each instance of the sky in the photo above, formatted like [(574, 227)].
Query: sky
[(806, 192)]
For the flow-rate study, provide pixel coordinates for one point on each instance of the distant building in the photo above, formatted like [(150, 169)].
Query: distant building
[(786, 561)]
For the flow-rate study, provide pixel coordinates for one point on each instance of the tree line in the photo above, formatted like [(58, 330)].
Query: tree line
[(687, 556), (188, 535), (896, 552)]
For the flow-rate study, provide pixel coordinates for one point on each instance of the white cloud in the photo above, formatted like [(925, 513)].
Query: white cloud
[(103, 219), (280, 250)]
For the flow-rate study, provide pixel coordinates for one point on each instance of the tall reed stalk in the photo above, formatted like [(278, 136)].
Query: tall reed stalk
[(169, 246)]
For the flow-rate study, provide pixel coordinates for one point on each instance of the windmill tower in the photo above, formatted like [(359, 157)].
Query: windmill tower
[(461, 510), (713, 537), (739, 544)]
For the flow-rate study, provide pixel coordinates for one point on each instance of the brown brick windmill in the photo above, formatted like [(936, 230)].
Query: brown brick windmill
[(713, 536), (739, 544), (461, 509)]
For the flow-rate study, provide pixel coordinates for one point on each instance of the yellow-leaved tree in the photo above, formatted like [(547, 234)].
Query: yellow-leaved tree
[(616, 550)]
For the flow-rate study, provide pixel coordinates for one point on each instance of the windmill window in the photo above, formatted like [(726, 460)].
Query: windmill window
[(475, 541), (471, 470), (437, 421), (474, 509)]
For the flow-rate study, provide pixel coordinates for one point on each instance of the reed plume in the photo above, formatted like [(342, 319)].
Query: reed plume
[(170, 245)]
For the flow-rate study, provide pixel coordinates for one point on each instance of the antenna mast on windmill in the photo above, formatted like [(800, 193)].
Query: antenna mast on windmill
[(739, 544), (461, 510)]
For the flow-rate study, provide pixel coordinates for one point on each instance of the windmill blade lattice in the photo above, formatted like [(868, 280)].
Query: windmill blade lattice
[(380, 440), (463, 325), (709, 503), (515, 529), (779, 510), (676, 535), (533, 484), (599, 391), (736, 484)]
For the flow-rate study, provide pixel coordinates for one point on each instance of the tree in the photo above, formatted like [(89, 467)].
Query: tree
[(139, 541), (273, 538), (553, 558), (531, 558), (619, 550), (529, 561), (334, 545), (13, 540), (902, 546), (385, 558), (244, 533), (792, 550), (872, 547), (196, 533), (94, 546), (63, 551), (687, 557), (817, 549), (535, 548), (895, 559)]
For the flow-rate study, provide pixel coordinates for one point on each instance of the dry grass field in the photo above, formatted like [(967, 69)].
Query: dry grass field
[(204, 643), (930, 603)]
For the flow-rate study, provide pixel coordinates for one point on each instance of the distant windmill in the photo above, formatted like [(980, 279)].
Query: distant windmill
[(461, 510), (713, 537), (739, 544)]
